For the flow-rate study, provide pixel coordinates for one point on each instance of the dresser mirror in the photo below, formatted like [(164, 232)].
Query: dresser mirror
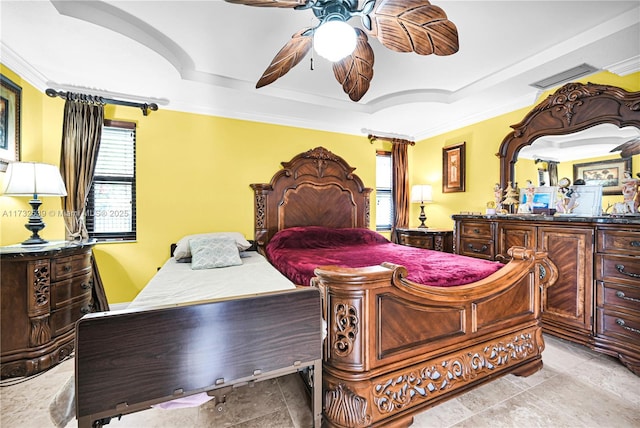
[(589, 119)]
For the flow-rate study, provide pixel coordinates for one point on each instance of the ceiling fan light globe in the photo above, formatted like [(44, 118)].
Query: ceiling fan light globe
[(334, 40)]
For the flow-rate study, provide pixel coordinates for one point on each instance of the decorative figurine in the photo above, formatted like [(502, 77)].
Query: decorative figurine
[(630, 193), (567, 197)]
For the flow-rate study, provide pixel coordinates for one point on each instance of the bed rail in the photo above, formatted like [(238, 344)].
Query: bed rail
[(129, 360)]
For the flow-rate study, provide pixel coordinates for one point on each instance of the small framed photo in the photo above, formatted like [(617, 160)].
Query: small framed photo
[(589, 202), (10, 95), (453, 168), (541, 201), (606, 173)]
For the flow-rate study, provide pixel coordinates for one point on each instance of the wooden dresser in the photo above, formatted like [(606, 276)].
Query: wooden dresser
[(45, 290), (430, 239), (596, 300)]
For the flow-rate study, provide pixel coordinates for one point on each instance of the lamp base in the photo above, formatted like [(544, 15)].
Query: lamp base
[(35, 241), (422, 218), (35, 224)]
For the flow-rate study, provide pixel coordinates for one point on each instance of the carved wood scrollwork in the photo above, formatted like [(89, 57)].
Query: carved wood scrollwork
[(41, 286), (40, 332), (406, 389), (260, 211), (345, 408), (345, 329), (573, 107)]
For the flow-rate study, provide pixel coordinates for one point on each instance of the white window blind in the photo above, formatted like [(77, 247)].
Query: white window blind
[(111, 206), (384, 191)]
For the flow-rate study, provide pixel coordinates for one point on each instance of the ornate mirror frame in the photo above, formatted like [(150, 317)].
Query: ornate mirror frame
[(573, 107)]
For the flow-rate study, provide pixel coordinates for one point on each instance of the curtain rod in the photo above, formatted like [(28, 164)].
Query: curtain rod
[(72, 96), (395, 140)]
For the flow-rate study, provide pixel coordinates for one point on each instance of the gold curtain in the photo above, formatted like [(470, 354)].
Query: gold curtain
[(400, 168), (81, 133)]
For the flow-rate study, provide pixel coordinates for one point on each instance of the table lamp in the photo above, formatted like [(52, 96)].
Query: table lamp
[(421, 193), (33, 179)]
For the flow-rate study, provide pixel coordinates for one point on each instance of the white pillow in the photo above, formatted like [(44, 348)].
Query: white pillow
[(183, 251), (214, 252)]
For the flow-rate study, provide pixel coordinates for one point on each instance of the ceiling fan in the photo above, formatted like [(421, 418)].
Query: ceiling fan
[(400, 25)]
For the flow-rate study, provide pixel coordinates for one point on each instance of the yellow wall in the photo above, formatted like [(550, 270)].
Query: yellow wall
[(194, 173)]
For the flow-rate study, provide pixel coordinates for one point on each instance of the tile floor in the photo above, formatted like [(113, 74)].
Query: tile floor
[(576, 388)]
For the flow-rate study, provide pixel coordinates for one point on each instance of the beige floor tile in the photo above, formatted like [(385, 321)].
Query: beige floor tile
[(576, 388)]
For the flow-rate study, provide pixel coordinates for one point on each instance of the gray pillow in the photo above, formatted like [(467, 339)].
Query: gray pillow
[(214, 252)]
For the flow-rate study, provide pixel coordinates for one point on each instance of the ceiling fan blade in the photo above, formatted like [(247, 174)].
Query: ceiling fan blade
[(414, 26), (628, 149), (355, 71), (288, 57), (270, 3)]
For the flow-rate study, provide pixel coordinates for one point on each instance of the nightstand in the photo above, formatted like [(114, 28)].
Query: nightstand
[(430, 239), (45, 290)]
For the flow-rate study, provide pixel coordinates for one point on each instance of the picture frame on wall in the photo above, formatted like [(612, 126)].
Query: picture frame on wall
[(607, 173), (10, 109), (453, 168)]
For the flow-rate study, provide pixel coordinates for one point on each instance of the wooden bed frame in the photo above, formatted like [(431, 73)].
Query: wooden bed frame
[(393, 347), (128, 360)]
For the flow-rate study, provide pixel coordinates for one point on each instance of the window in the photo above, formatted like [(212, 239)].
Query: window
[(384, 191), (111, 205)]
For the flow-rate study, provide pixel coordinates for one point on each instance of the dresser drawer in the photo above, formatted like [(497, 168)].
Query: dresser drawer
[(63, 320), (620, 325), (66, 267), (617, 268), (475, 230), (479, 248), (626, 242), (610, 295), (71, 290)]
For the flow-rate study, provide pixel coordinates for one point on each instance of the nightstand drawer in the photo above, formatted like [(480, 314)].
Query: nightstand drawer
[(625, 242), (417, 241), (480, 248), (475, 230), (71, 290), (617, 268), (66, 267)]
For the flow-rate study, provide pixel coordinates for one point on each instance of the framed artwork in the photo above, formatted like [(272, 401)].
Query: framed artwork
[(453, 168), (606, 173), (10, 95)]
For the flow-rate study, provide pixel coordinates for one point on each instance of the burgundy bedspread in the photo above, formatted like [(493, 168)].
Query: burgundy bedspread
[(297, 251)]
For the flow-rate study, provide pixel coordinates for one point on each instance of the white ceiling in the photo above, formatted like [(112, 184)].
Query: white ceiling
[(206, 56)]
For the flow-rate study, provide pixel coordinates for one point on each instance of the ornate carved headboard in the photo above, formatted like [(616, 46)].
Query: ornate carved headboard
[(315, 188)]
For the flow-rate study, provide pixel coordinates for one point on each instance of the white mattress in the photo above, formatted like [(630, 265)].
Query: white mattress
[(178, 283)]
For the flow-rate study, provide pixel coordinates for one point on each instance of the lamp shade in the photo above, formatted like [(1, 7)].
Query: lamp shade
[(31, 178), (421, 193), (334, 40)]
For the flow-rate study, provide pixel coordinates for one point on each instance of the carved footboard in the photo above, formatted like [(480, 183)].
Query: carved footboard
[(129, 360), (395, 348)]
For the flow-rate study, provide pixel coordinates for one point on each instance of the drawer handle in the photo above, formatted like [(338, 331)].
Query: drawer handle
[(86, 285), (476, 230), (621, 295), (66, 268), (85, 310), (635, 243), (621, 323), (631, 274), (478, 250)]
